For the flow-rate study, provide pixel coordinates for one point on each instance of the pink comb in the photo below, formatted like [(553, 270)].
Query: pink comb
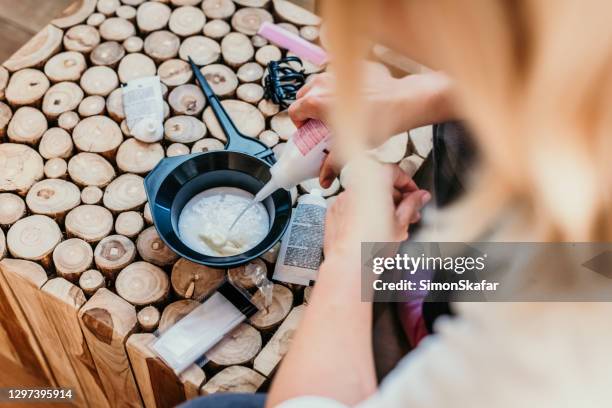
[(294, 43)]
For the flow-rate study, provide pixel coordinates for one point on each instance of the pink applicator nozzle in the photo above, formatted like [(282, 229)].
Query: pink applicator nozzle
[(294, 43)]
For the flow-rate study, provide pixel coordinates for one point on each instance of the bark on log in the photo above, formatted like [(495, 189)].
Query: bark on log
[(174, 312), (152, 16), (244, 276), (270, 317), (91, 195), (207, 145), (20, 167), (53, 197), (138, 157), (235, 379), (162, 45), (90, 169), (34, 238), (187, 100), (248, 20), (99, 80), (117, 29), (12, 209), (26, 87), (71, 258), (56, 168), (184, 129), (92, 106), (81, 38), (239, 347), (125, 193), (108, 53), (97, 134), (142, 284), (251, 93), (186, 21), (222, 79), (250, 72), (236, 49), (90, 281), (152, 249), (291, 13), (90, 223), (192, 281), (216, 29), (134, 66), (27, 126), (76, 13), (114, 253), (220, 9), (129, 224), (37, 51), (246, 117), (177, 149), (148, 318), (61, 97), (202, 50)]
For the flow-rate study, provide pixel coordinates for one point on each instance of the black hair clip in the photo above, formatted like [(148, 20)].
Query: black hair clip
[(283, 82)]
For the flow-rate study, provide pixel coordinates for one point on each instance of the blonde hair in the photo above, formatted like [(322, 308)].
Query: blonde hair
[(533, 83)]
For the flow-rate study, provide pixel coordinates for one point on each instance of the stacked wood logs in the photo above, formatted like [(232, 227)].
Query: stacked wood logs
[(86, 278)]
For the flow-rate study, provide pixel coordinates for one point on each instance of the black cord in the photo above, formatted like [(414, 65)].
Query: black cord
[(283, 82)]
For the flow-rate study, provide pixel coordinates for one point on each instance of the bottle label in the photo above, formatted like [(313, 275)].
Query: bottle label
[(310, 135)]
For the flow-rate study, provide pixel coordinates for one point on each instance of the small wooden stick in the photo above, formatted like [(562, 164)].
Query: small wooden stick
[(162, 45), (142, 284), (186, 21), (92, 106), (114, 253), (108, 53), (4, 78), (97, 134), (34, 238), (289, 27), (222, 79), (99, 80), (193, 281), (235, 379), (244, 276), (91, 223), (26, 87), (152, 249), (27, 126), (246, 117), (174, 72), (216, 29), (61, 97), (238, 347), (125, 193), (187, 100), (56, 168), (129, 223), (138, 157), (250, 72), (134, 66), (174, 312), (152, 16), (270, 317), (220, 9), (53, 197), (202, 50), (81, 38), (91, 280), (184, 129), (248, 20), (117, 29), (148, 318), (71, 258), (12, 209), (91, 195), (236, 49)]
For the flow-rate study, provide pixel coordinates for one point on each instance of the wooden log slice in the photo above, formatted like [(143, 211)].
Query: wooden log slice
[(142, 284), (81, 38), (282, 124), (269, 138), (34, 238), (268, 108), (56, 168), (294, 14), (68, 120), (239, 347), (174, 312), (220, 9), (236, 49), (138, 157), (37, 51), (250, 72), (267, 54), (202, 50), (55, 143), (245, 276), (174, 72), (146, 213), (311, 184), (152, 249), (152, 16), (71, 258), (235, 379), (91, 280), (126, 12), (246, 117), (177, 149), (108, 7), (125, 193), (4, 78), (248, 20), (20, 167), (133, 44), (269, 317), (108, 53), (91, 223), (97, 134), (192, 281), (92, 106), (117, 29), (216, 29), (162, 45), (27, 126), (90, 169), (129, 224), (258, 41), (148, 318), (184, 129), (12, 209), (114, 105), (5, 117), (61, 97), (26, 87), (76, 13), (187, 100), (99, 80), (207, 145), (310, 33), (95, 19), (114, 253), (251, 93), (289, 27), (91, 195), (222, 80), (53, 197), (186, 21), (134, 66)]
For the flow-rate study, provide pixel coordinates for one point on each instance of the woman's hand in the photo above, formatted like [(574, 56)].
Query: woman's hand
[(403, 205), (395, 105)]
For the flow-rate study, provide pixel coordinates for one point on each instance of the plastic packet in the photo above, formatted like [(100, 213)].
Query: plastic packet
[(144, 108)]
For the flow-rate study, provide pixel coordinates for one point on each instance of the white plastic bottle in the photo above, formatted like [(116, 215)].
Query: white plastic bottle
[(301, 160), (301, 251)]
